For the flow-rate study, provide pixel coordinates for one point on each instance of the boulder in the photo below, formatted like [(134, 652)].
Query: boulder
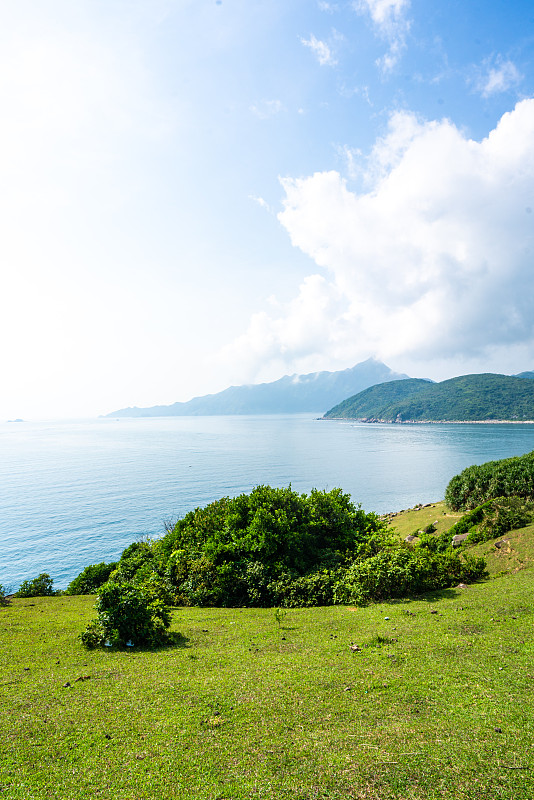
[(458, 539)]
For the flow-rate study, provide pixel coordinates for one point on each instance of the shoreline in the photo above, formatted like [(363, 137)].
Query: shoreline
[(368, 421)]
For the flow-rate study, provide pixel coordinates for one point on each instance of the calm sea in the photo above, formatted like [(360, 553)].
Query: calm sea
[(78, 492)]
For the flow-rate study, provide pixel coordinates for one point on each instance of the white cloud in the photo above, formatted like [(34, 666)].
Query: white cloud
[(390, 20), (432, 261), (294, 337), (321, 50), (261, 202), (501, 77)]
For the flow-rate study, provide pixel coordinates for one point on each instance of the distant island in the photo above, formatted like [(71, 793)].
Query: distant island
[(291, 394), (468, 398)]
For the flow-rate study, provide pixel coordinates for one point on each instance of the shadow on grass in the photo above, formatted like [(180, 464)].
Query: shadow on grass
[(427, 597), (175, 641)]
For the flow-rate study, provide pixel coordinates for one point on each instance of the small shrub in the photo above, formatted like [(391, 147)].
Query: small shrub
[(94, 635), (91, 578), (41, 586), (3, 599), (129, 612)]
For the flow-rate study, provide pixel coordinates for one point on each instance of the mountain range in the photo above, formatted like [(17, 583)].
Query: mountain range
[(313, 392)]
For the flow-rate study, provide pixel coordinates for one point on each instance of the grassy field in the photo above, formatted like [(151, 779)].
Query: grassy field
[(435, 701), (416, 519)]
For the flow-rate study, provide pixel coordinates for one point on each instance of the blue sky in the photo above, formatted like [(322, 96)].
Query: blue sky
[(198, 193)]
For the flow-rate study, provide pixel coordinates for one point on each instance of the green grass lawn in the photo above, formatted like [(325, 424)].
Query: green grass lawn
[(431, 705)]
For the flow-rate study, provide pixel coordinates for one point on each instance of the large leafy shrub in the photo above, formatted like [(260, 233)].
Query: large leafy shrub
[(129, 613), (91, 578), (270, 547), (41, 586)]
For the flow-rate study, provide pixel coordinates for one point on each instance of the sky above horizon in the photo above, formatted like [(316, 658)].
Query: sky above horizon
[(200, 193)]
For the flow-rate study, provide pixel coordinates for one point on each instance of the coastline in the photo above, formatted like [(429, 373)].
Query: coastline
[(433, 421)]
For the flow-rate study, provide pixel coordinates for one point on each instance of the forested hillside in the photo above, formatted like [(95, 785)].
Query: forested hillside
[(471, 398)]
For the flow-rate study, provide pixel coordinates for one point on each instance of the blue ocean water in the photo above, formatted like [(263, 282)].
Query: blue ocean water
[(78, 492)]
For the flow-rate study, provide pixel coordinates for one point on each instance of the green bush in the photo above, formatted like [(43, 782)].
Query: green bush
[(506, 478), (41, 586), (91, 578), (502, 515), (270, 547), (129, 612), (3, 599), (314, 589), (401, 571)]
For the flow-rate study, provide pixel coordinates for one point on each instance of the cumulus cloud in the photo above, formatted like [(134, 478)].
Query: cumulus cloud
[(500, 77), (432, 259), (322, 51), (390, 20)]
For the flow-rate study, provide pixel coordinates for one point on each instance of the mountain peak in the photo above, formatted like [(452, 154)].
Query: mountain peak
[(313, 392)]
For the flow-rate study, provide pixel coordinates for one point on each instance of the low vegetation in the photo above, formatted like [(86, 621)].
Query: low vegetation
[(129, 614)]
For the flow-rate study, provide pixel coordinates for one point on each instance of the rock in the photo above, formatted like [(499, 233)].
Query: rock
[(459, 538), (462, 586)]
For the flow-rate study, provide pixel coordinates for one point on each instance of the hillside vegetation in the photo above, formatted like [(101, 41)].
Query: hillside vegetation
[(471, 398), (275, 547), (479, 483)]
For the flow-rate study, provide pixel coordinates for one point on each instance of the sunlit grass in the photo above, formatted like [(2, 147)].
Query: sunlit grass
[(431, 705)]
